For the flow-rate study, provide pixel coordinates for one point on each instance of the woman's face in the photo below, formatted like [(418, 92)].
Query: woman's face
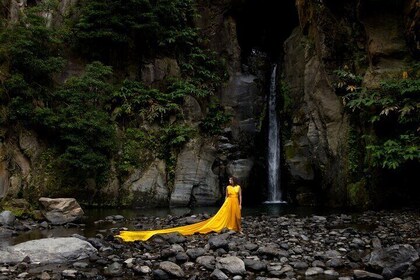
[(230, 181)]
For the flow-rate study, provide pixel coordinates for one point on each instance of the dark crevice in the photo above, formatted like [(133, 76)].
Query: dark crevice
[(263, 25)]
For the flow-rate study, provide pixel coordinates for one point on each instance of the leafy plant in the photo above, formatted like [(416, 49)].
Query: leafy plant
[(392, 153), (137, 147), (31, 52), (104, 26), (204, 68), (215, 119), (135, 102), (143, 27), (394, 111), (81, 122)]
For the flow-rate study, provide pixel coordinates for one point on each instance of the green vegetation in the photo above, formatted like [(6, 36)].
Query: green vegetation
[(29, 55), (107, 27), (99, 116), (393, 113), (215, 119), (77, 117)]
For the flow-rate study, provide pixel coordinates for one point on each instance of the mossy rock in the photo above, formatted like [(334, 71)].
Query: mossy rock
[(358, 194), (19, 207)]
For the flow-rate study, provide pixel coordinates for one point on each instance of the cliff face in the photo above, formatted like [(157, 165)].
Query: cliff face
[(328, 36), (369, 39)]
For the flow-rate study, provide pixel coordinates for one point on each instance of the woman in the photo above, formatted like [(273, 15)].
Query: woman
[(228, 216)]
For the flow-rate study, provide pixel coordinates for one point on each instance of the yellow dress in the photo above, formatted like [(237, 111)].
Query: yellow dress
[(228, 216)]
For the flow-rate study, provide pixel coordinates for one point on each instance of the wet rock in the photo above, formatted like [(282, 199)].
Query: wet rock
[(142, 269), (361, 274), (272, 251), (7, 218), (251, 246), (70, 273), (313, 271), (219, 275), (331, 273), (59, 211), (208, 262), (114, 269), (218, 241), (392, 261), (233, 265), (6, 233), (44, 276), (172, 269), (167, 253), (48, 250), (255, 265), (181, 257), (335, 263), (195, 253), (160, 274)]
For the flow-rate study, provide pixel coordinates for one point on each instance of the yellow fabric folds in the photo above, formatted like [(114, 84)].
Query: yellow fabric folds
[(228, 216)]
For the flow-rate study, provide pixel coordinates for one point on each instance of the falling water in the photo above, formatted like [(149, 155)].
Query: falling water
[(274, 192)]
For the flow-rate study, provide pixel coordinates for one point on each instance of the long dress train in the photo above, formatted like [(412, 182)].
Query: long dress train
[(228, 216)]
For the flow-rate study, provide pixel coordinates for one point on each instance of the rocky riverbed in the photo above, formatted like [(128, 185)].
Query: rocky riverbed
[(369, 245)]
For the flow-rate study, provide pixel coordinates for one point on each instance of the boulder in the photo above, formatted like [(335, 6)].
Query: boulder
[(7, 218), (48, 250), (392, 261), (232, 265), (195, 182), (149, 188), (61, 210)]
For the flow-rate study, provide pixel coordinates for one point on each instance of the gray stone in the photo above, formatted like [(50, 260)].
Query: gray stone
[(335, 263), (44, 276), (5, 232), (241, 169), (195, 252), (160, 274), (314, 271), (142, 269), (219, 275), (392, 258), (172, 269), (7, 218), (361, 274), (61, 210), (181, 257), (149, 188), (331, 272), (195, 183), (114, 269), (70, 273), (232, 265), (218, 241), (251, 246), (271, 250), (255, 265), (208, 262), (48, 250)]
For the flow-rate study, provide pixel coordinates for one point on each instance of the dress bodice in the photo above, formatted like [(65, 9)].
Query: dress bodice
[(233, 191)]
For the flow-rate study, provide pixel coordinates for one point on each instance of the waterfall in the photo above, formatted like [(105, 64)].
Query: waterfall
[(274, 191)]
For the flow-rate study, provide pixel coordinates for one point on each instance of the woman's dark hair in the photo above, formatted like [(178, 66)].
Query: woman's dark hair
[(235, 180)]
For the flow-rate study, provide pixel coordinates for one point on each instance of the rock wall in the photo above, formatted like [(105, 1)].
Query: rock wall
[(372, 42)]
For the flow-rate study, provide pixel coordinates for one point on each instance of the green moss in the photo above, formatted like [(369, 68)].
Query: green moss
[(290, 150), (358, 194), (19, 207)]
